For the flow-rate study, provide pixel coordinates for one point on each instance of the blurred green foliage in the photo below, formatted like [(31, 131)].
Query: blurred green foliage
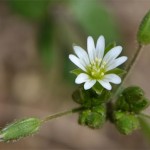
[(94, 19), (45, 42), (31, 9), (90, 17)]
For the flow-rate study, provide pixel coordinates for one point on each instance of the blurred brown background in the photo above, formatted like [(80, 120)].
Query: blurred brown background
[(26, 89)]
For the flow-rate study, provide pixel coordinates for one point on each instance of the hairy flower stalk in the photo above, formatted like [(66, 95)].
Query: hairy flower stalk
[(95, 65)]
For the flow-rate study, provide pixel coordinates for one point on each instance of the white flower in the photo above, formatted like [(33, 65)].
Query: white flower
[(95, 65)]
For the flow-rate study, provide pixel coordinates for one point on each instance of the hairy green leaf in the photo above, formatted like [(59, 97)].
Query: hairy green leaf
[(143, 35)]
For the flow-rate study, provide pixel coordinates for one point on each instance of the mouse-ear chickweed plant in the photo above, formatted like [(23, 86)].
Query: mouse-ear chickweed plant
[(97, 71)]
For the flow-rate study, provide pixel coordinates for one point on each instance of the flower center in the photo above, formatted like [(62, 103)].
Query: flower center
[(96, 69)]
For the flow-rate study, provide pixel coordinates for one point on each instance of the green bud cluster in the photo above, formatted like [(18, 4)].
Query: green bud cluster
[(127, 108), (89, 98), (93, 118), (94, 112), (20, 129), (132, 99), (98, 107)]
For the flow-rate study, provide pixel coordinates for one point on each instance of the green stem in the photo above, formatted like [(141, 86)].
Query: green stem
[(74, 110), (132, 63), (129, 68)]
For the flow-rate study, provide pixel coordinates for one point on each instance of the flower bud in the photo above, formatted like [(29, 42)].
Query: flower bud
[(104, 96), (143, 35), (83, 97), (132, 99), (77, 96), (121, 104), (139, 105), (126, 122), (94, 118), (83, 117), (133, 94), (89, 98), (20, 129)]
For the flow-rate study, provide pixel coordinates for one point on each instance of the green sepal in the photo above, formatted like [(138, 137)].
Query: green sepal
[(98, 88), (83, 97), (95, 120), (76, 71), (121, 104), (83, 117), (78, 96), (110, 46), (126, 122), (143, 35), (100, 110), (139, 105), (105, 96), (117, 71)]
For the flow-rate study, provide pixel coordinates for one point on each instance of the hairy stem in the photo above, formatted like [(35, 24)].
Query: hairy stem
[(60, 114), (132, 63)]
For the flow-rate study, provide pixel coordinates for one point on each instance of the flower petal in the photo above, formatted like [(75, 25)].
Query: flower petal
[(91, 48), (82, 54), (88, 84), (112, 78), (105, 84), (112, 54), (100, 47), (117, 62), (81, 78), (77, 62)]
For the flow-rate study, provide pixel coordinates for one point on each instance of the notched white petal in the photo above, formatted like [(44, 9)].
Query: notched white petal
[(77, 62), (113, 78), (91, 48), (82, 54), (117, 62), (112, 54), (100, 47), (81, 78), (88, 84), (105, 84)]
